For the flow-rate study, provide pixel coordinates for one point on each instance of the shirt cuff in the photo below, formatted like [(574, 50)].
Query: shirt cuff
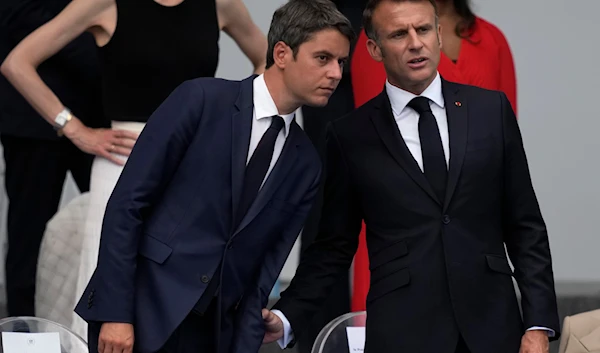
[(551, 332), (288, 334)]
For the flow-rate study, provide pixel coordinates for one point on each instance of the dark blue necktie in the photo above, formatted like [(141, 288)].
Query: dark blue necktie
[(434, 160), (256, 170), (257, 167)]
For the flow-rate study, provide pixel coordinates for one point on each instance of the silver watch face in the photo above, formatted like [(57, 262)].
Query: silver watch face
[(61, 119)]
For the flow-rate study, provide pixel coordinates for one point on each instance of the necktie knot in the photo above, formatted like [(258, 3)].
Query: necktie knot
[(420, 104), (277, 123)]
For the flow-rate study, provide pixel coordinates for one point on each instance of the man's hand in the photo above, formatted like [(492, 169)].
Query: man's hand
[(535, 341), (273, 326), (115, 338)]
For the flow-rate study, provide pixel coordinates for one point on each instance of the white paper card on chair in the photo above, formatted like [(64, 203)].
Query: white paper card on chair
[(356, 339), (18, 342)]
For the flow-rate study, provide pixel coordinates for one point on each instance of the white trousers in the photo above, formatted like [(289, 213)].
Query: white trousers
[(103, 179)]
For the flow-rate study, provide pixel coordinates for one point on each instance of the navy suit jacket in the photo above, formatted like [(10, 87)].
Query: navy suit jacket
[(169, 222)]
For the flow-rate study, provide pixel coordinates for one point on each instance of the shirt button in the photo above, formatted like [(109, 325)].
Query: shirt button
[(205, 279)]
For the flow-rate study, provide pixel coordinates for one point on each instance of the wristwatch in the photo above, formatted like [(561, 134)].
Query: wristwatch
[(61, 120)]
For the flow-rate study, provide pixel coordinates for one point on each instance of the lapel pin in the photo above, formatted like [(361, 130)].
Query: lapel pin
[(458, 104)]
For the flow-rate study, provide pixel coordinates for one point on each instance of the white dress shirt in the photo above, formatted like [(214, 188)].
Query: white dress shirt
[(407, 120), (264, 109)]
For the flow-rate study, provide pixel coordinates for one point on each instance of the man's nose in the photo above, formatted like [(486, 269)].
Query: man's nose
[(336, 71), (415, 42)]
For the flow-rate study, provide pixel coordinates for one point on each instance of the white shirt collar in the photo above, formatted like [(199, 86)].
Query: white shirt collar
[(264, 106), (400, 98)]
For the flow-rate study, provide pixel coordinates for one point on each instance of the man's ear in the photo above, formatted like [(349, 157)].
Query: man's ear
[(282, 54), (374, 50)]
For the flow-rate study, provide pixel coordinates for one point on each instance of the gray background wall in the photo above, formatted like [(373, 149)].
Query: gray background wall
[(555, 50), (554, 43)]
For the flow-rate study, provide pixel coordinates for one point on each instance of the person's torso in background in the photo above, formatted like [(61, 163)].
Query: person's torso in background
[(479, 61), (153, 50)]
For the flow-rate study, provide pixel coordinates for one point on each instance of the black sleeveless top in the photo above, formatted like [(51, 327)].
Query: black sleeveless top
[(153, 50)]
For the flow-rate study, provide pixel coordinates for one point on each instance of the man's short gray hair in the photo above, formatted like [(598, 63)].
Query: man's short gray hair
[(295, 22)]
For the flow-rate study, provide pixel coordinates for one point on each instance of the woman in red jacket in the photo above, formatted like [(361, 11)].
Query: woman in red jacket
[(474, 52)]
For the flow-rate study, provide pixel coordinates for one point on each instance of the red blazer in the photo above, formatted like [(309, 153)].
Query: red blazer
[(485, 60)]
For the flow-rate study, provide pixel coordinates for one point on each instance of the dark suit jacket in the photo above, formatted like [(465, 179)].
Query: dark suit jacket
[(73, 73), (437, 270), (316, 120), (168, 224)]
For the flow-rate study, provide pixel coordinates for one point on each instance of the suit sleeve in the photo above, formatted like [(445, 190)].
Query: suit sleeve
[(336, 243), (525, 235), (153, 161), (249, 322)]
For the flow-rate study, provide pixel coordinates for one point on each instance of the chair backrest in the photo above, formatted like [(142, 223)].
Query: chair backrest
[(69, 341), (344, 334)]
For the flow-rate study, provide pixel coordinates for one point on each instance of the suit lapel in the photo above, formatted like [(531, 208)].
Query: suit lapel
[(241, 127), (457, 115), (282, 167), (388, 131)]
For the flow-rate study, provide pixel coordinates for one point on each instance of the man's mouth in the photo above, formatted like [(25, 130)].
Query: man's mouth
[(417, 60)]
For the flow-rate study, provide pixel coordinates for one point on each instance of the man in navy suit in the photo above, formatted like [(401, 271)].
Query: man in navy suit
[(212, 199)]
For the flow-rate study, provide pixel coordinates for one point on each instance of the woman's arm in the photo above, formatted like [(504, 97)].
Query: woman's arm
[(20, 68), (235, 20), (21, 64)]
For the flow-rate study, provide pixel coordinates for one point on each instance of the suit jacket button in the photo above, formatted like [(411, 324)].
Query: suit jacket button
[(205, 279), (446, 219)]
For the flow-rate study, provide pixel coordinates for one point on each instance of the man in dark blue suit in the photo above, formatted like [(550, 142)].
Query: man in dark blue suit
[(212, 199)]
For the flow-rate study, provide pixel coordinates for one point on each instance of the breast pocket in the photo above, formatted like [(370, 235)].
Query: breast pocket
[(481, 153), (479, 144)]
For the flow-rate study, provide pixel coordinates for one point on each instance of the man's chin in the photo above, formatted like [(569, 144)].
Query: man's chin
[(424, 75), (318, 102)]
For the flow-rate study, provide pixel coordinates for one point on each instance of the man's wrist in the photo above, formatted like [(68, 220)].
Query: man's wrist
[(540, 331), (288, 334)]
